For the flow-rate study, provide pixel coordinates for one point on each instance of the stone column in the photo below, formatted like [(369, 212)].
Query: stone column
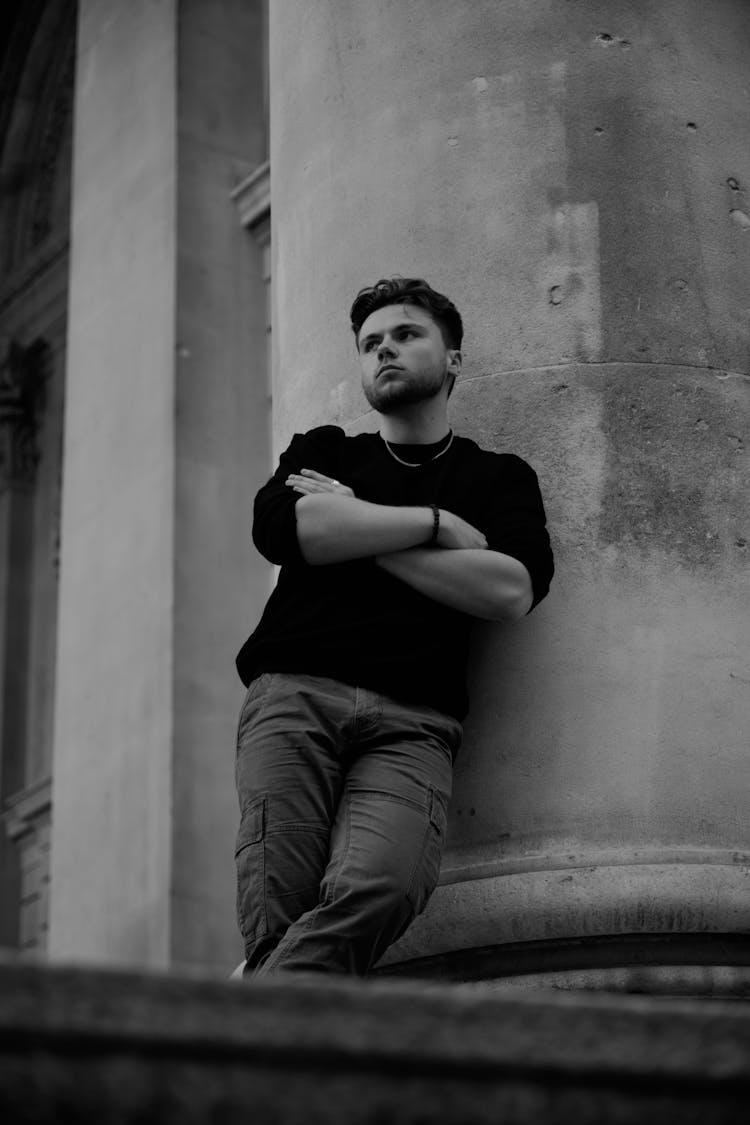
[(576, 177), (165, 439)]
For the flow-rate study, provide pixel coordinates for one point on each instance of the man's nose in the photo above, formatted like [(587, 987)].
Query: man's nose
[(386, 347)]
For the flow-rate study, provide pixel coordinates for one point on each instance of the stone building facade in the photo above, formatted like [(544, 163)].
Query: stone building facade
[(576, 177), (36, 125)]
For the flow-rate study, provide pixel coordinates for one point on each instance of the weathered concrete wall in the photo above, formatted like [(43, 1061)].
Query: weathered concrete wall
[(166, 434), (576, 177), (122, 1048)]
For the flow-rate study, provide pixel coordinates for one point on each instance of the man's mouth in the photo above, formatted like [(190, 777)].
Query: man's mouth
[(389, 367)]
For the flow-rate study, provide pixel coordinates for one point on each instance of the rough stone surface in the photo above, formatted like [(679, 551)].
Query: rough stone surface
[(570, 174), (121, 1048)]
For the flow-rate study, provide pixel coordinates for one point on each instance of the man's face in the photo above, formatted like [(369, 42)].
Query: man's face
[(403, 358)]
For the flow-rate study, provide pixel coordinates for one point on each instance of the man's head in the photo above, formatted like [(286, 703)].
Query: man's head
[(408, 338), (414, 291)]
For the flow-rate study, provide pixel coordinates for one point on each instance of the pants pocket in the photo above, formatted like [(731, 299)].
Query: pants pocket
[(251, 874)]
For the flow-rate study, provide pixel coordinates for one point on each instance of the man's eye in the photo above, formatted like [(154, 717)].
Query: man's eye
[(369, 345)]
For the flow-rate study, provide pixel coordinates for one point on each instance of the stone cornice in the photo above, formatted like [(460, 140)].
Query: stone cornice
[(253, 197), (24, 807)]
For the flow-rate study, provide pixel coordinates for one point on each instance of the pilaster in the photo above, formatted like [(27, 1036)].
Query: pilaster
[(164, 441)]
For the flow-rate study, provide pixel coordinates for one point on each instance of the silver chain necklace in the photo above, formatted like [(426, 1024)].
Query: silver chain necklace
[(418, 464)]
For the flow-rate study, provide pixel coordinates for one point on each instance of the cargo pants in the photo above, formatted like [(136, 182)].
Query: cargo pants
[(343, 798)]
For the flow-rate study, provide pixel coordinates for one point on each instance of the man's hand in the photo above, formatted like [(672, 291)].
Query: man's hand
[(457, 534), (308, 482)]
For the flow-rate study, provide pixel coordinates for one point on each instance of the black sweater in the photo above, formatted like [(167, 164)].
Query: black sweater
[(353, 621)]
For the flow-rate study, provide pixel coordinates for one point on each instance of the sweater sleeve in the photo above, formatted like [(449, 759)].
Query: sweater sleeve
[(274, 517), (516, 521)]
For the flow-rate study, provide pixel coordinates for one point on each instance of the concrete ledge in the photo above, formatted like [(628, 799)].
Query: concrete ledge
[(112, 1046), (563, 904), (698, 964)]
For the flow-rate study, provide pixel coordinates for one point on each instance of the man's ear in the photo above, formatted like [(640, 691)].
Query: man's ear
[(453, 368)]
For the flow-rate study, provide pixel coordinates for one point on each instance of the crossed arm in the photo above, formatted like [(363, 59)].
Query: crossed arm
[(459, 571)]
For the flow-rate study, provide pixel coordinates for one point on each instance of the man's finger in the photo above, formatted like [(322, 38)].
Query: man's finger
[(312, 485)]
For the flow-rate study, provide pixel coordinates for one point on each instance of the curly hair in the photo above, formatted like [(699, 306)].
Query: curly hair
[(415, 291)]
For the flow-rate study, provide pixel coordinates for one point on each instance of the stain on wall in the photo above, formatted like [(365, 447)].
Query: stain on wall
[(677, 471)]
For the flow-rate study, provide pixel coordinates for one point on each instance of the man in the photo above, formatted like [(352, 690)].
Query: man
[(390, 543)]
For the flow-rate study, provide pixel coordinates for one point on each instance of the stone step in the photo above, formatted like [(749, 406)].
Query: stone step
[(119, 1047)]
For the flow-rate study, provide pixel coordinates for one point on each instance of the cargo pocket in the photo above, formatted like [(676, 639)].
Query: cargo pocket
[(427, 869), (251, 874)]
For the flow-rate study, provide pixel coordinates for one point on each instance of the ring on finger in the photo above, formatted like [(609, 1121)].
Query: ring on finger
[(335, 483)]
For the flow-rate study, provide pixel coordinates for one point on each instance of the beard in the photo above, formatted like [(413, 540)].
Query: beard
[(387, 397)]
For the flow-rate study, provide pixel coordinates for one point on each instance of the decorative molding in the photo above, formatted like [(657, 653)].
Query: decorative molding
[(262, 233), (253, 200), (24, 809), (52, 144), (47, 257), (24, 373), (28, 824), (36, 102)]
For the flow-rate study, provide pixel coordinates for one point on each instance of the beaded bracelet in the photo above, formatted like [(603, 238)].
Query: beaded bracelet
[(435, 525)]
